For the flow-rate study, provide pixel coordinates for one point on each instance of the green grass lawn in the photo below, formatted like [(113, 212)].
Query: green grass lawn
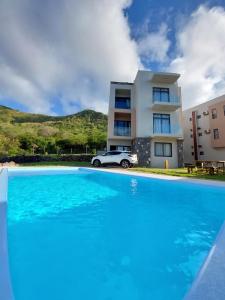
[(181, 172), (57, 163)]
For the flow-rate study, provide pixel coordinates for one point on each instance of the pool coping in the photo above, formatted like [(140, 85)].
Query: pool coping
[(209, 284), (125, 172), (205, 285), (162, 176), (6, 291)]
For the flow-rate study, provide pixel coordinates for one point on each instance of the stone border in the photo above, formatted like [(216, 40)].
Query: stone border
[(6, 292)]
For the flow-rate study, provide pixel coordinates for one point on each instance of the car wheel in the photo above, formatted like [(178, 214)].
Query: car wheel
[(96, 163), (125, 163)]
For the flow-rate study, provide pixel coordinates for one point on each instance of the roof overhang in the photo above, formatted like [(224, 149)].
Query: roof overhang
[(168, 78)]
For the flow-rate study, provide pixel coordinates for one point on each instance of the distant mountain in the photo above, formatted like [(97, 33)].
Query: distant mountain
[(27, 133)]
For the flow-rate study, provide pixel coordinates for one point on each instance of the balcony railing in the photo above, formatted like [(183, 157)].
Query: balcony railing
[(162, 131), (172, 99), (171, 131), (122, 131)]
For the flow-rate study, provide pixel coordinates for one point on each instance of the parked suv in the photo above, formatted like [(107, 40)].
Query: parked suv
[(123, 158)]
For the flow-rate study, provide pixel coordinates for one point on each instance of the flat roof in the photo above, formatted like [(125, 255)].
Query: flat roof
[(208, 103), (119, 82)]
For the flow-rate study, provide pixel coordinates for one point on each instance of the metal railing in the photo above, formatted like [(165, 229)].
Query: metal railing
[(173, 130), (122, 131), (172, 99)]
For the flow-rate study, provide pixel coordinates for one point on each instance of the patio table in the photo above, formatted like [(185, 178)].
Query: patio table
[(212, 165)]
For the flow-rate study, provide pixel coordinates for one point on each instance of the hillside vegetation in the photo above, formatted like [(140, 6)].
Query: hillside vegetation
[(25, 133)]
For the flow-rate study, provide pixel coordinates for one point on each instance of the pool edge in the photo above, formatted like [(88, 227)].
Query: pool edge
[(6, 290), (209, 284)]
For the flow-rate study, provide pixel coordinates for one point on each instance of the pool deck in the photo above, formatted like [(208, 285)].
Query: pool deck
[(164, 177), (209, 284)]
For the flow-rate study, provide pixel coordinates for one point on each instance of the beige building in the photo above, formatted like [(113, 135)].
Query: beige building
[(145, 117), (204, 131)]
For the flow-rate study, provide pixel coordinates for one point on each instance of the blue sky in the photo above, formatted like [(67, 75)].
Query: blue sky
[(60, 59)]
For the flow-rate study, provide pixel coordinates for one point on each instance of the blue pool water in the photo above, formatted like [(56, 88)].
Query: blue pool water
[(96, 235)]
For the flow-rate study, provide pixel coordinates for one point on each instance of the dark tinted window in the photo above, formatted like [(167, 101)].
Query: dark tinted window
[(214, 113), (163, 149), (216, 134), (113, 153)]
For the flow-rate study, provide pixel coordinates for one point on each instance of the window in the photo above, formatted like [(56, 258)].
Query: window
[(199, 117), (214, 113), (190, 119), (216, 134), (122, 102), (122, 128), (161, 94), (112, 153), (201, 153), (163, 149), (192, 153), (161, 123), (224, 110), (200, 134)]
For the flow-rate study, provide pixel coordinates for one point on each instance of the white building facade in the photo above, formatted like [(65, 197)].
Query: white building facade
[(146, 117)]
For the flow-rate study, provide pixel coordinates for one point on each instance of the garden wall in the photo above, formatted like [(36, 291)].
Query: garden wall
[(39, 158)]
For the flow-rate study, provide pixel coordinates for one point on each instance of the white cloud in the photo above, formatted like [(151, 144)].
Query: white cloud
[(154, 46), (69, 50), (201, 56), (72, 50)]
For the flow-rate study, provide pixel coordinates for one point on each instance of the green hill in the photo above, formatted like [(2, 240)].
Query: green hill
[(26, 133)]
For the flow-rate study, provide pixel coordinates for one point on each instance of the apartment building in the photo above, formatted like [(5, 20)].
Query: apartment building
[(145, 117), (204, 131)]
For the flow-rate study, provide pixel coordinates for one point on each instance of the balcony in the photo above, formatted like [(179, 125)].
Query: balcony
[(170, 104)]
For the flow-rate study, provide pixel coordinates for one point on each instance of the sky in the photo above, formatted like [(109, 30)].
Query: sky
[(58, 57)]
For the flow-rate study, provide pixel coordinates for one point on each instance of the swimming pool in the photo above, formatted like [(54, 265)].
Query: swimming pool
[(97, 235)]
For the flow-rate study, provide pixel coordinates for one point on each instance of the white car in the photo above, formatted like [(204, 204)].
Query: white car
[(123, 158)]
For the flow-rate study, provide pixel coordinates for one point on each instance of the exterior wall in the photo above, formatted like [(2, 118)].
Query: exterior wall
[(180, 153), (144, 101), (219, 123), (112, 110), (142, 147), (158, 162), (204, 130)]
